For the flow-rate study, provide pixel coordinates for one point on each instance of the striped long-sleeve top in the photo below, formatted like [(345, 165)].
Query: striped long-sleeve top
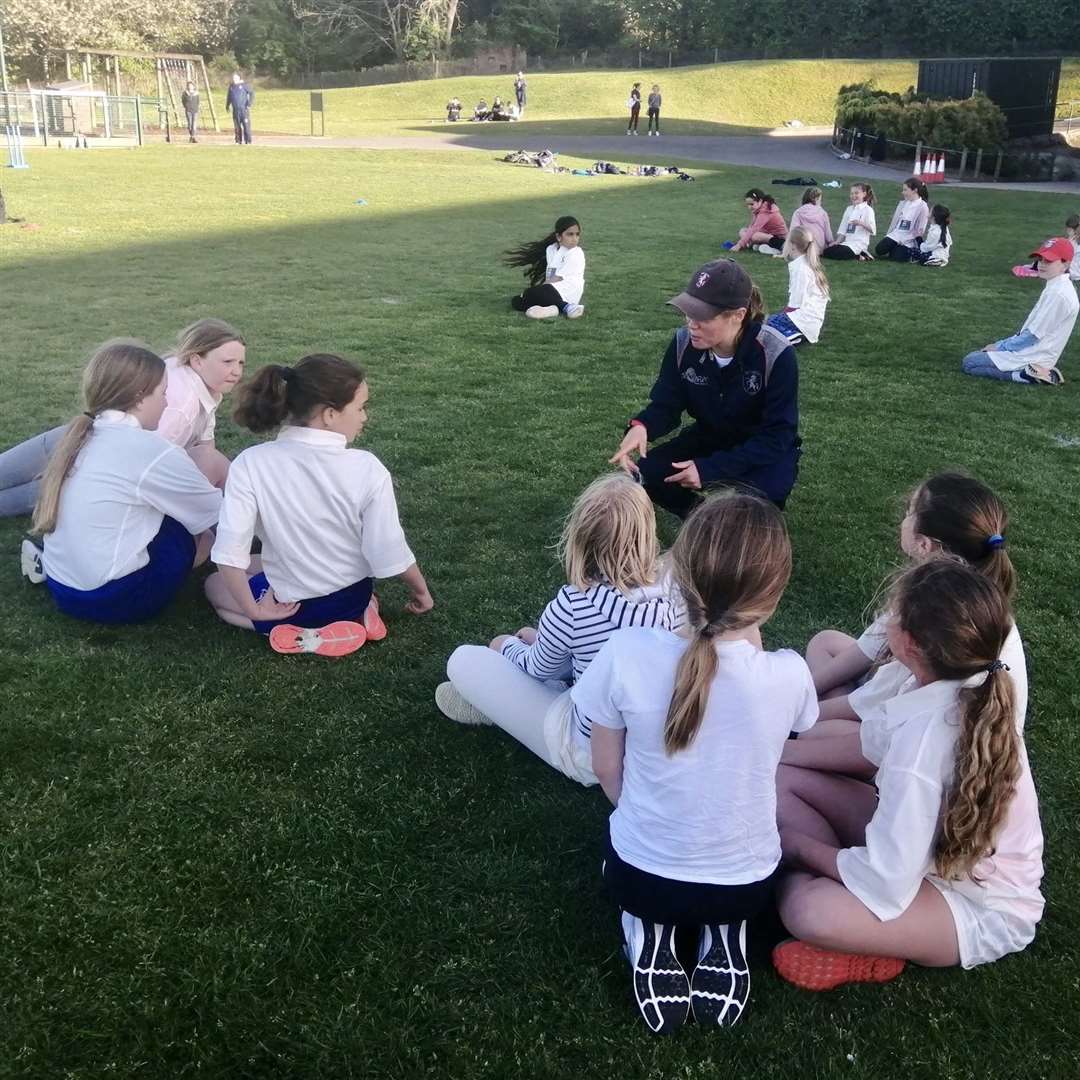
[(575, 625)]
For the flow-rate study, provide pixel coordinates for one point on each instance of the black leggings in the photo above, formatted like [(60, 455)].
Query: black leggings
[(538, 296), (654, 119), (839, 251), (892, 249), (635, 113), (692, 903)]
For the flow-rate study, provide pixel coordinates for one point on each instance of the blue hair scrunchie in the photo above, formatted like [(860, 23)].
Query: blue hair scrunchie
[(994, 541)]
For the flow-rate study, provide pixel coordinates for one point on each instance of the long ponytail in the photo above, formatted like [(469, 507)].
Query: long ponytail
[(278, 393), (960, 620), (532, 257), (731, 562), (119, 375)]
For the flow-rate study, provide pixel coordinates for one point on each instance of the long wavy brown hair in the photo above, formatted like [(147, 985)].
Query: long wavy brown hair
[(959, 619)]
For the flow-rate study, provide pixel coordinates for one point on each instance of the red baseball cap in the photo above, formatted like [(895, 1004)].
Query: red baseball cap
[(1057, 248)]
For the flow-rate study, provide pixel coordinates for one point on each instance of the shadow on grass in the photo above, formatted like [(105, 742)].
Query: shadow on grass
[(597, 125)]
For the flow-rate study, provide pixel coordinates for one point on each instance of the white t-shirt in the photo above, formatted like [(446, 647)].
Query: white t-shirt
[(190, 408), (908, 222), (866, 698), (911, 737), (850, 234), (326, 515), (932, 246), (569, 264), (123, 483), (707, 813), (806, 297), (1051, 320)]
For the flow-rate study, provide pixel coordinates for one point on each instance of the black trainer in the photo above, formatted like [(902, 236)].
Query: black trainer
[(720, 985), (661, 986)]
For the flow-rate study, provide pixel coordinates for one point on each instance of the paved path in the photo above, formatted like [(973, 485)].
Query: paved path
[(787, 152)]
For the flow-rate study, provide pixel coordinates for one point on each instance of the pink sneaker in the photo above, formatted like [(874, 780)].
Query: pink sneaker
[(338, 639), (373, 624)]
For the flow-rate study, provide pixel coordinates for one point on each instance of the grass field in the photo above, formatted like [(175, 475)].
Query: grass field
[(716, 99), (225, 863)]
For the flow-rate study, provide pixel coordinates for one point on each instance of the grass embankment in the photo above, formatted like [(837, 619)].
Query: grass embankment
[(737, 98), (222, 862)]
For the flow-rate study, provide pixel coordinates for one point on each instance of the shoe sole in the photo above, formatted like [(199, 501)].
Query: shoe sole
[(335, 640), (373, 624), (662, 988), (453, 706), (30, 562), (720, 985), (539, 312), (811, 968)]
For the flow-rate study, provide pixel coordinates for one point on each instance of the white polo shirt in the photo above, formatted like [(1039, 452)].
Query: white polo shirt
[(569, 264), (706, 813), (326, 515), (849, 232), (911, 737), (190, 407), (123, 483), (806, 297), (1051, 320)]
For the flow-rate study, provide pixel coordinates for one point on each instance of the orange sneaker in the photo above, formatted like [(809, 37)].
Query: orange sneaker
[(373, 624), (820, 969), (337, 639)]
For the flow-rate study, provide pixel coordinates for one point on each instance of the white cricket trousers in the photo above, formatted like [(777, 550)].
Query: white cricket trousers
[(538, 714)]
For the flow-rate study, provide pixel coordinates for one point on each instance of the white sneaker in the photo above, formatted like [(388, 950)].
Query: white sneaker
[(575, 311), (720, 985), (30, 562), (453, 706), (539, 312)]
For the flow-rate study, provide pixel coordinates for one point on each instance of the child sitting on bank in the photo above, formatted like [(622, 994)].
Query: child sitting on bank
[(936, 246), (813, 217), (555, 269), (857, 226), (808, 290), (521, 682), (326, 515), (908, 223), (1031, 355), (767, 230)]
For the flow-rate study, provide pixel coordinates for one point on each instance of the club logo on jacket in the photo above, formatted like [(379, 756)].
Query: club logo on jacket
[(695, 377), (751, 381)]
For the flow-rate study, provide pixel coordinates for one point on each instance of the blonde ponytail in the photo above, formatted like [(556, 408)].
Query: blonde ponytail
[(731, 563), (120, 374)]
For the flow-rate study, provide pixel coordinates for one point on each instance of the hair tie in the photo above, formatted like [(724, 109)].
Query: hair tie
[(997, 665), (286, 374), (707, 632), (994, 541), (90, 415)]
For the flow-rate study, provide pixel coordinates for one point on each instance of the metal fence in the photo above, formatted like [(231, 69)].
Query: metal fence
[(1054, 163), (60, 116)]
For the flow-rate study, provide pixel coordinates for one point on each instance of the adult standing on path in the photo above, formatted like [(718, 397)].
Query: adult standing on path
[(520, 94), (739, 382), (239, 101), (190, 100), (654, 110), (635, 108)]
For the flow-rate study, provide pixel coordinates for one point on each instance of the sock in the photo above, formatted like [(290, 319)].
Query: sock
[(1020, 376), (563, 308)]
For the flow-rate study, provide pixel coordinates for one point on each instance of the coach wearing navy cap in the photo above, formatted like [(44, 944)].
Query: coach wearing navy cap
[(737, 380)]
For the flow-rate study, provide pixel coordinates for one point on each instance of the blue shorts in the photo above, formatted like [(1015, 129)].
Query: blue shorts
[(781, 322), (143, 593), (349, 603)]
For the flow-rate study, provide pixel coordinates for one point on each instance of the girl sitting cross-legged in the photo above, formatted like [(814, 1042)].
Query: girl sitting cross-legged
[(326, 516), (687, 732), (555, 268), (939, 860), (521, 682)]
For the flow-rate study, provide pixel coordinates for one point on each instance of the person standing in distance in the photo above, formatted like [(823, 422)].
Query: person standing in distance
[(239, 101), (520, 94), (190, 100), (635, 108), (739, 382)]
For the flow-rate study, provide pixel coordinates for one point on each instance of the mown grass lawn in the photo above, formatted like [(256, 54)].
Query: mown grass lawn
[(221, 862)]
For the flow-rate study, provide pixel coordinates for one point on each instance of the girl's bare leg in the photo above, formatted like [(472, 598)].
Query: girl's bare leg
[(221, 600)]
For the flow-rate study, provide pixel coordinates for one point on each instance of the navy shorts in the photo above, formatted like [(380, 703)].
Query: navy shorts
[(349, 604), (143, 593)]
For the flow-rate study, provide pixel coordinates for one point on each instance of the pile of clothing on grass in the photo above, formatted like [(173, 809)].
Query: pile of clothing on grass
[(606, 168), (541, 159)]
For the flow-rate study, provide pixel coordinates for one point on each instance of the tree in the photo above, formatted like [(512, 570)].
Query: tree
[(386, 21)]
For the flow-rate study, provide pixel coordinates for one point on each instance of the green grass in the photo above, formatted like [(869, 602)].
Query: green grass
[(220, 862), (716, 99)]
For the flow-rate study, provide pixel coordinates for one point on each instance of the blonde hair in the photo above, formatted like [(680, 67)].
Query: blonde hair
[(960, 619), (731, 562), (204, 336), (610, 536), (120, 374), (800, 241)]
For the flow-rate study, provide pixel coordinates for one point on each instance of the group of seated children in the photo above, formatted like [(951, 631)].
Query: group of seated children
[(497, 110), (916, 233), (126, 514), (900, 825)]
